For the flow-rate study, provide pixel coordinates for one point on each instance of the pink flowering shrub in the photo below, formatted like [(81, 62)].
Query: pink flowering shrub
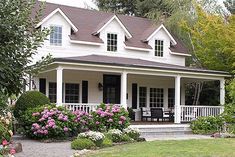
[(108, 117), (50, 122)]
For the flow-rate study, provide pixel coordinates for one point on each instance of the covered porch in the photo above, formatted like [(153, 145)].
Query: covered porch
[(80, 86)]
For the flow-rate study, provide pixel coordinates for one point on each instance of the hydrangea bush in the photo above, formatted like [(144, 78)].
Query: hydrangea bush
[(108, 117), (50, 122), (84, 120), (115, 135)]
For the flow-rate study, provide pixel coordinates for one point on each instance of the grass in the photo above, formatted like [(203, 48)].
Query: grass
[(184, 148)]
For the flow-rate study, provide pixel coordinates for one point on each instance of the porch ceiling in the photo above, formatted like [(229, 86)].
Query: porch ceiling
[(130, 62)]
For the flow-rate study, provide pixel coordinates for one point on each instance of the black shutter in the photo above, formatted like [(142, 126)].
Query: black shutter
[(84, 91), (134, 96), (42, 85)]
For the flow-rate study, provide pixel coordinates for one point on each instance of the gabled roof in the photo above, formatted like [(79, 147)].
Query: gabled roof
[(153, 30), (58, 10), (89, 22), (107, 21)]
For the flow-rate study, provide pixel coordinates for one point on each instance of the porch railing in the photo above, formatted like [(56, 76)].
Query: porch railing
[(89, 107), (81, 106), (188, 113)]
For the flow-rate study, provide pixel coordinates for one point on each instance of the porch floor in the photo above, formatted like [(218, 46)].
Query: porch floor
[(150, 123)]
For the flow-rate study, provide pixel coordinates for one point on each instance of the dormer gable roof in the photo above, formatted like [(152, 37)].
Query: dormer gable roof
[(90, 22), (107, 21), (149, 33), (58, 10)]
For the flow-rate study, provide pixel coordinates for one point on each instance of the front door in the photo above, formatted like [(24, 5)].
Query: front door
[(111, 89)]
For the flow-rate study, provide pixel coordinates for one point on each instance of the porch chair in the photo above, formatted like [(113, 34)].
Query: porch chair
[(145, 113), (158, 114)]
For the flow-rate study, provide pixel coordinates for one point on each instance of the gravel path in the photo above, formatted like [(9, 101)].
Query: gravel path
[(32, 148)]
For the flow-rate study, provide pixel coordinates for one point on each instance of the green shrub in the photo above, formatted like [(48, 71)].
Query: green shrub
[(107, 142), (229, 113), (29, 99), (115, 135), (96, 137), (207, 125), (46, 122), (133, 133), (126, 138), (82, 143)]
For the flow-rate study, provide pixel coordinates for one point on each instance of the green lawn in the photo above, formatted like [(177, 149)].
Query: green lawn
[(184, 148)]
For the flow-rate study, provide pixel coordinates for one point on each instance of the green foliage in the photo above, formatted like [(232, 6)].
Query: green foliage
[(19, 40), (213, 40), (231, 89), (126, 7), (230, 5), (229, 113), (82, 143), (107, 142), (49, 122), (207, 125), (29, 99), (108, 117), (126, 138), (132, 133)]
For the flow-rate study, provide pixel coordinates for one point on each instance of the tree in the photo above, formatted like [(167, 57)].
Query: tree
[(19, 40), (126, 7), (213, 40), (230, 5)]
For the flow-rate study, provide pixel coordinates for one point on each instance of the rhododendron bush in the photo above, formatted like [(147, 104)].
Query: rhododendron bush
[(108, 117)]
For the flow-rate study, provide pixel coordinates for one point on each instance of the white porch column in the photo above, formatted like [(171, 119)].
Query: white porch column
[(124, 89), (59, 84), (222, 92), (177, 100)]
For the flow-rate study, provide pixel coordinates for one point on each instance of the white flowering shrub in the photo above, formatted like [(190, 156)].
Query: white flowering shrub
[(96, 137), (133, 133), (115, 135)]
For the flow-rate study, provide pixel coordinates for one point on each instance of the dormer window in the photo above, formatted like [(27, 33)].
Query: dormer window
[(111, 42), (56, 35), (159, 48)]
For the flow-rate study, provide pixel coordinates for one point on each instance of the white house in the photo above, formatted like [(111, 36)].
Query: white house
[(103, 57)]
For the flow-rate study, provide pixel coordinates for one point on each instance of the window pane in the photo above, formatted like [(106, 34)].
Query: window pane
[(52, 92), (142, 97), (71, 93), (171, 97), (156, 97), (56, 35), (111, 42), (159, 48)]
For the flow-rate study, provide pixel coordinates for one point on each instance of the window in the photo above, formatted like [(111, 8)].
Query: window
[(71, 93), (56, 35), (159, 48), (156, 97), (52, 92), (142, 96), (111, 42), (171, 97)]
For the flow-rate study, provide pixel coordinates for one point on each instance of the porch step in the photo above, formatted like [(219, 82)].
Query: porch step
[(170, 129)]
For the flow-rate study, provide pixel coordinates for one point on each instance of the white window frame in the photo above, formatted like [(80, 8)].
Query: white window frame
[(156, 53), (157, 105), (52, 37), (79, 91), (107, 45)]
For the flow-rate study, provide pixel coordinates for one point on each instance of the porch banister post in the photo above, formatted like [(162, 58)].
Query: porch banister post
[(222, 92), (59, 84), (177, 100), (124, 89)]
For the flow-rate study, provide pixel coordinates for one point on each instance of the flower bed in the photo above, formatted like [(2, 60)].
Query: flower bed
[(49, 122), (6, 133)]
